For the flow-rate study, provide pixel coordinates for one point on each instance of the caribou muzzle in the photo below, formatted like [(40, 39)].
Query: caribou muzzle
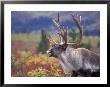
[(49, 53)]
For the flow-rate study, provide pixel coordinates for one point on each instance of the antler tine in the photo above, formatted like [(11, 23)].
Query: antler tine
[(63, 36), (61, 32), (58, 28), (79, 26), (58, 17), (50, 39)]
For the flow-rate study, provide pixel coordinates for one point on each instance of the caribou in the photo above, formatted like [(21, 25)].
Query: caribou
[(77, 61)]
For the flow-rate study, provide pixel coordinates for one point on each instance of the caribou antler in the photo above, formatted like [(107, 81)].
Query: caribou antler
[(63, 32), (52, 42), (79, 26)]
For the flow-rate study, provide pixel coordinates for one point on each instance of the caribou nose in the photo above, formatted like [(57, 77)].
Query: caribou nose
[(49, 53)]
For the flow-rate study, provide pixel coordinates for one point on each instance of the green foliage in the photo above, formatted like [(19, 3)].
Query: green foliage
[(90, 42), (37, 66), (94, 41), (27, 37), (43, 45), (25, 54), (73, 35), (87, 42), (13, 60), (17, 63), (30, 65), (38, 72)]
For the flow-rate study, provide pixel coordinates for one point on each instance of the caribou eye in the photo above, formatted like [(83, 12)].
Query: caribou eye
[(53, 45)]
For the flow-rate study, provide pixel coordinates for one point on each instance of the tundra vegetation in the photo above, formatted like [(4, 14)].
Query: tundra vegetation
[(29, 57), (26, 61)]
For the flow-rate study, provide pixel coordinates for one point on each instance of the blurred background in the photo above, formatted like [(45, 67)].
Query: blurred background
[(29, 41)]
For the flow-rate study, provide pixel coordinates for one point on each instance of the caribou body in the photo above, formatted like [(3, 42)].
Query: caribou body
[(81, 61)]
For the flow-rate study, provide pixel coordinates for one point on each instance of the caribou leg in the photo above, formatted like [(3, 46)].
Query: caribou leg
[(74, 74)]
